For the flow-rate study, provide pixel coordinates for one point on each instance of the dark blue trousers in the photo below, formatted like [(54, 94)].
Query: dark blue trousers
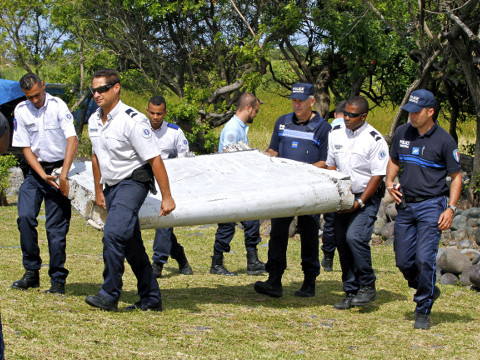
[(353, 232), (165, 244), (416, 245), (122, 239), (2, 344), (58, 212), (225, 232), (328, 237), (307, 226)]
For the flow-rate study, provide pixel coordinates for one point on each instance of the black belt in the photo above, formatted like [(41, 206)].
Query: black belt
[(48, 167), (417, 199)]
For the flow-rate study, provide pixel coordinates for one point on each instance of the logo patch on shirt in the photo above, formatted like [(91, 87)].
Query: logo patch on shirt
[(14, 124), (456, 155), (382, 154), (295, 144), (281, 127), (231, 138), (404, 144), (147, 134), (185, 142), (416, 151), (69, 116)]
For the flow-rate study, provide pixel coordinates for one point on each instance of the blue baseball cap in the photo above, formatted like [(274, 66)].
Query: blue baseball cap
[(301, 91), (420, 99)]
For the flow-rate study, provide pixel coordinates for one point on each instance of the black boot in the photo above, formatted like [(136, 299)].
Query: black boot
[(308, 287), (327, 262), (365, 295), (272, 287), (217, 267), (30, 279), (254, 266), (183, 266), (157, 269)]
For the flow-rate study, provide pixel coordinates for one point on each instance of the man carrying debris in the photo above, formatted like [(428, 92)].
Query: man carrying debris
[(235, 130), (303, 136)]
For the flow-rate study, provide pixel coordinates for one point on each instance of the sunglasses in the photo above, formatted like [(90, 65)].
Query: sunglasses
[(101, 89), (352, 115)]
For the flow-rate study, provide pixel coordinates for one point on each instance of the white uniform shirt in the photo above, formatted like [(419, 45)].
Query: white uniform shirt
[(123, 144), (361, 154), (171, 141), (44, 130)]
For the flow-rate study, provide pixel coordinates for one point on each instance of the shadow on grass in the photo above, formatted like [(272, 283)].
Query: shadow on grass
[(442, 317), (328, 292)]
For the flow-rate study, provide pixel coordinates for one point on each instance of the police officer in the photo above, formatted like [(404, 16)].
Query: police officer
[(43, 128), (361, 152), (124, 155), (235, 130), (303, 136), (328, 236), (427, 153), (171, 143)]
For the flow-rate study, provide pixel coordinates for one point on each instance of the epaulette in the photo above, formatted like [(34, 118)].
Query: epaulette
[(130, 113), (336, 127), (173, 126), (375, 135)]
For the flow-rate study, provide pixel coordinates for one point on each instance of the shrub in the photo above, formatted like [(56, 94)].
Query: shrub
[(6, 163)]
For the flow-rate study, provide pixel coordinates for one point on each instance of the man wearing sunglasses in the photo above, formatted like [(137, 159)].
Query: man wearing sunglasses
[(361, 152), (125, 160), (301, 135), (171, 143), (427, 154), (43, 128)]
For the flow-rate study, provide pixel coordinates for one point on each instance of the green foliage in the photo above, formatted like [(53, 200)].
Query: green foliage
[(469, 148), (6, 163)]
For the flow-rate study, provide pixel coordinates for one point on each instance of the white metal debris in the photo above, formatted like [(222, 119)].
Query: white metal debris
[(228, 187)]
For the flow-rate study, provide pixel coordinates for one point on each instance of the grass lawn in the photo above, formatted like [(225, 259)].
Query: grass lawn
[(217, 317)]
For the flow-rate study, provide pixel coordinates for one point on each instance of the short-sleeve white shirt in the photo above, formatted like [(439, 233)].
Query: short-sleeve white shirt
[(361, 154), (171, 141), (124, 143), (44, 130)]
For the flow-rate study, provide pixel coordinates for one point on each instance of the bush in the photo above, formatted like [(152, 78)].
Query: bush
[(6, 163)]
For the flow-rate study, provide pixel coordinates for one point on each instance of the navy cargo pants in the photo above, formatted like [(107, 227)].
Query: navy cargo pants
[(225, 232), (165, 244), (122, 239), (58, 212)]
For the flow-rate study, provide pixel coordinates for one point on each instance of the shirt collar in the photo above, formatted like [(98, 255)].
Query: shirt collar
[(47, 97), (240, 122), (358, 131)]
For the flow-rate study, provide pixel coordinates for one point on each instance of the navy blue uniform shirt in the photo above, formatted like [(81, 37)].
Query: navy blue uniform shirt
[(305, 143), (425, 160)]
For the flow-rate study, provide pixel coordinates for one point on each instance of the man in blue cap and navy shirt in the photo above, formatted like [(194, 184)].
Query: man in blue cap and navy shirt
[(303, 136), (427, 154)]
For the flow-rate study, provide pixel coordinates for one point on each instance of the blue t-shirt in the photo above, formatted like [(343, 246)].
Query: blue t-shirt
[(425, 160), (305, 143), (235, 130)]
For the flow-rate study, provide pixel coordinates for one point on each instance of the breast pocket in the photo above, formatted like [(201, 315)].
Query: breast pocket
[(118, 145), (31, 127), (51, 124)]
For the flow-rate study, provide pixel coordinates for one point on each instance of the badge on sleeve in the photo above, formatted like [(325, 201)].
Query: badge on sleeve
[(14, 124), (382, 154), (69, 116), (456, 155), (185, 142), (147, 134)]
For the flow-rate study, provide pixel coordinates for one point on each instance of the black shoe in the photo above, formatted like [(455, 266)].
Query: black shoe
[(184, 267), (56, 288), (327, 263), (144, 307), (217, 267), (99, 301), (254, 265), (365, 296), (272, 287), (30, 279), (436, 293), (346, 302), (307, 289), (422, 321), (157, 269)]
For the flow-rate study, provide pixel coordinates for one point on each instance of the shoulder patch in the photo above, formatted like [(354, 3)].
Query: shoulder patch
[(130, 112), (173, 126), (456, 155), (375, 135)]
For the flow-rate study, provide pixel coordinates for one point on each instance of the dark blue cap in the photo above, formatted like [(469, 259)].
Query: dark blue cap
[(301, 91), (418, 100)]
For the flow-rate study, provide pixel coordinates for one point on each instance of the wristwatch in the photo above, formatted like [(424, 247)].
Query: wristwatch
[(454, 208), (360, 202)]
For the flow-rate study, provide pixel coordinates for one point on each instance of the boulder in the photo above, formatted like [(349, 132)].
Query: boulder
[(453, 261), (391, 211), (465, 244), (459, 222), (472, 221), (459, 235), (477, 236), (470, 231), (465, 277), (475, 275), (448, 279), (387, 230), (379, 224)]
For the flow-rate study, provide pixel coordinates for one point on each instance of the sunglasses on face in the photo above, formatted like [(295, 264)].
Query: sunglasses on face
[(352, 115), (101, 89)]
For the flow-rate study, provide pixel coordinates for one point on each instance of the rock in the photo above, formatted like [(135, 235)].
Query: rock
[(379, 224), (459, 222), (459, 235), (16, 179), (387, 230), (473, 255), (388, 242), (465, 277), (387, 199), (470, 231), (439, 253), (477, 236), (475, 275), (391, 211), (453, 261), (448, 279), (465, 244), (472, 221)]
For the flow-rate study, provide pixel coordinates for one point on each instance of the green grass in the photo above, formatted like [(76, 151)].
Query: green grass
[(216, 317)]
